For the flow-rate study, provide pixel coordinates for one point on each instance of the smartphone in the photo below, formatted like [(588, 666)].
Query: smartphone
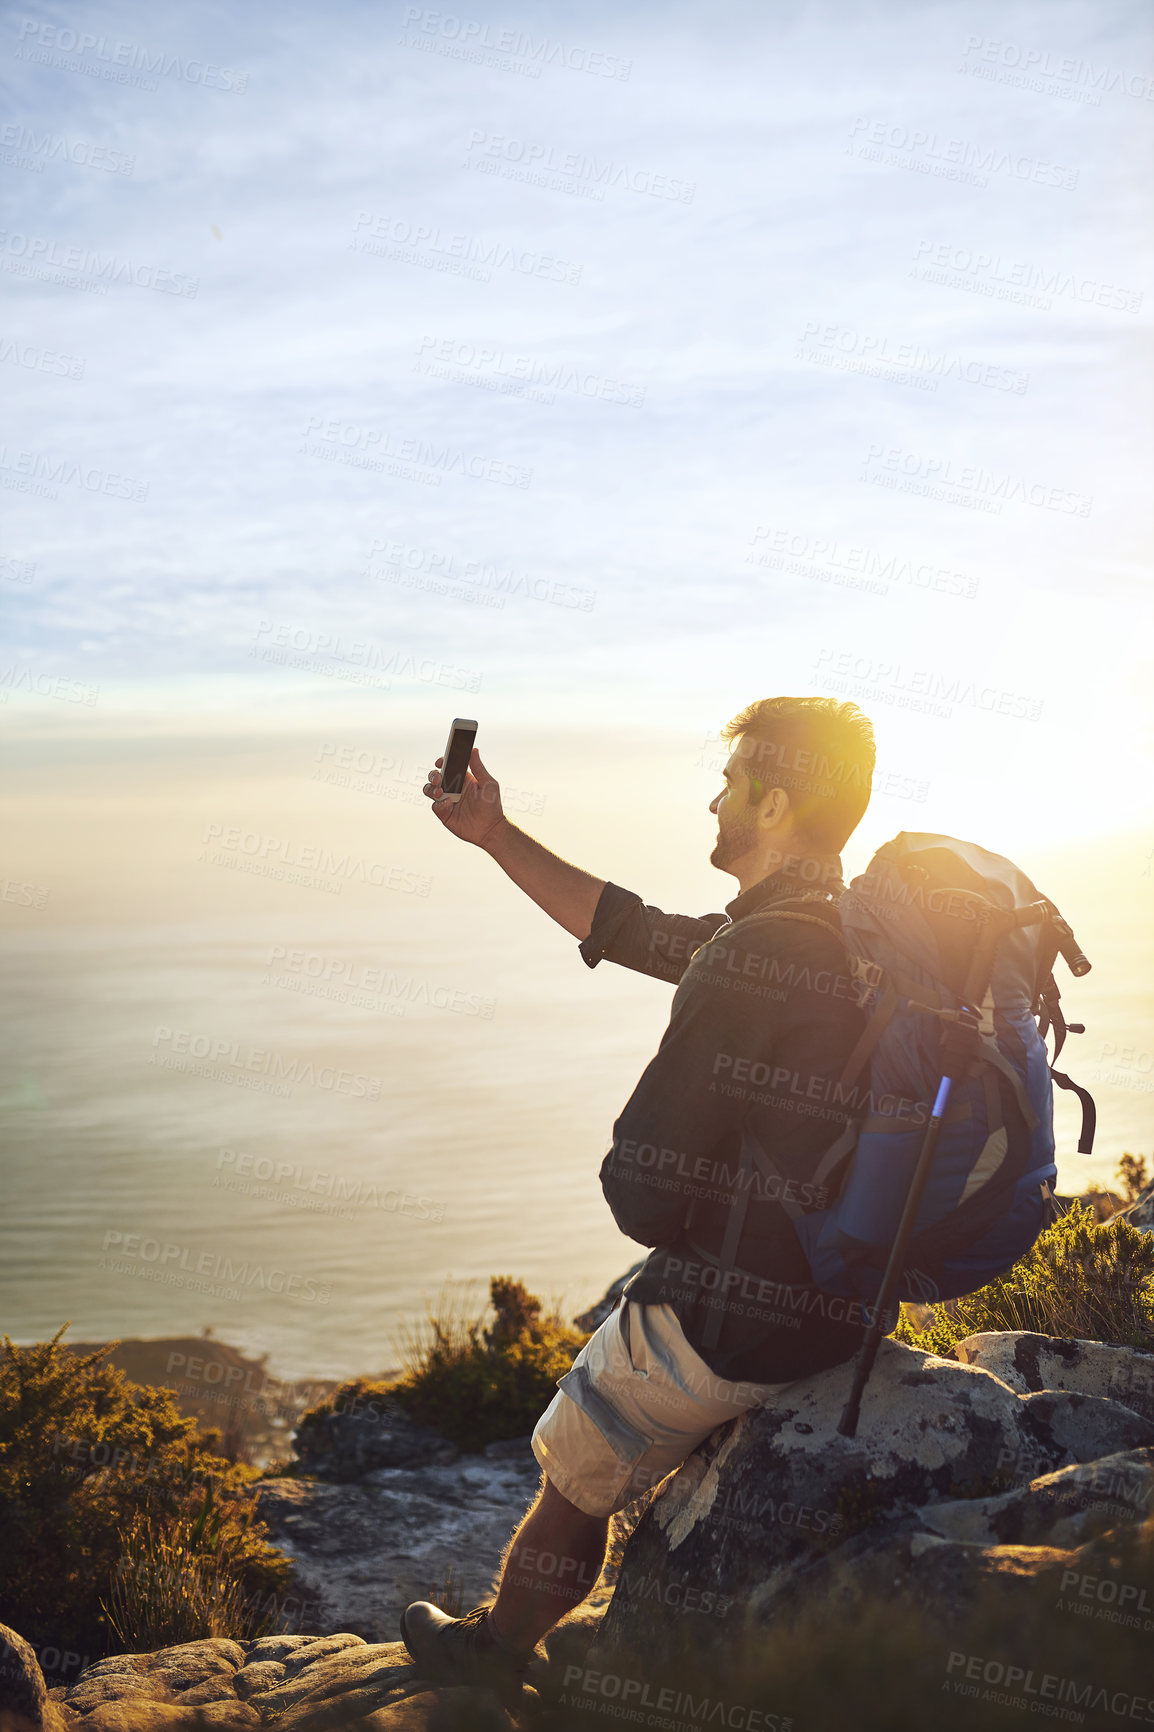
[(456, 759)]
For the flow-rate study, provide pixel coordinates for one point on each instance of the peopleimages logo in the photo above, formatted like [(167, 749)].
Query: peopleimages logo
[(175, 1260), (241, 1057), (119, 62), (41, 251), (478, 41), (282, 858)]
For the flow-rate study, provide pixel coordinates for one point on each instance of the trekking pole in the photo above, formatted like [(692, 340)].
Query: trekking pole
[(957, 1047)]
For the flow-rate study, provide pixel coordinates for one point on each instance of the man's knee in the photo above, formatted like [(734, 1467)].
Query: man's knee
[(556, 1503)]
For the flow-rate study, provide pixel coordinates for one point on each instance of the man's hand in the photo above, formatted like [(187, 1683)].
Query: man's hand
[(478, 813), (566, 893)]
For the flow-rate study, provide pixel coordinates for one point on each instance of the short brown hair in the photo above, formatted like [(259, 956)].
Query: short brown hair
[(821, 751)]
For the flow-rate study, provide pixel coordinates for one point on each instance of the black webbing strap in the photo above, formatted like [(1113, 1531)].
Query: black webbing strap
[(1089, 1110), (833, 1156), (1051, 1016), (737, 1212), (991, 1055), (869, 1037)]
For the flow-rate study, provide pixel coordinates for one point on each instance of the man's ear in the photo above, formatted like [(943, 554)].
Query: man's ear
[(774, 808)]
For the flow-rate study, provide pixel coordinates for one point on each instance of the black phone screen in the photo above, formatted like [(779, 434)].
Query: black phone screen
[(457, 753)]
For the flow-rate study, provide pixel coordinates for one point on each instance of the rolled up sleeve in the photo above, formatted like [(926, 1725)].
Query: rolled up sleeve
[(627, 931)]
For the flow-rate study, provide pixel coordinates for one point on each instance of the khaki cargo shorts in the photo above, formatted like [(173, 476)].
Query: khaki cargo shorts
[(636, 1401)]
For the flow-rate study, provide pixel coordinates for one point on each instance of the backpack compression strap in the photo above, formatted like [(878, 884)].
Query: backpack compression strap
[(1051, 1013)]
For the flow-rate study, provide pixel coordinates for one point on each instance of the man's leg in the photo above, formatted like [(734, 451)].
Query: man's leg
[(551, 1563), (642, 1400)]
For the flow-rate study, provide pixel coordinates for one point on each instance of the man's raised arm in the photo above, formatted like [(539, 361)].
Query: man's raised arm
[(611, 922), (566, 893)]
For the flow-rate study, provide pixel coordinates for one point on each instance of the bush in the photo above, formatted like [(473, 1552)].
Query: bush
[(1093, 1280), (476, 1384), (101, 1481)]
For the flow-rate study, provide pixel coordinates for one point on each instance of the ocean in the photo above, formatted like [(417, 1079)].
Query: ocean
[(305, 1124)]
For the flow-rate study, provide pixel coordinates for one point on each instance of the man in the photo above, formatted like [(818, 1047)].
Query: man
[(733, 1128)]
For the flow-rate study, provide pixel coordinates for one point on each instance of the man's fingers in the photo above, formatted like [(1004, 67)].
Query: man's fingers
[(478, 767)]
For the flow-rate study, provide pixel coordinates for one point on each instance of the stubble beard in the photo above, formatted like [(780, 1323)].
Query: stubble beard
[(733, 841)]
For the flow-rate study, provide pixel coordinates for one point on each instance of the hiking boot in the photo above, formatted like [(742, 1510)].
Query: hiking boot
[(462, 1650)]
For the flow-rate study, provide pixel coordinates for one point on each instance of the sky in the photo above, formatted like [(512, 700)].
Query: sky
[(616, 367), (591, 373)]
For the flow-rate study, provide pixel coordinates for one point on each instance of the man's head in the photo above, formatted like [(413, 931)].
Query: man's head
[(797, 781)]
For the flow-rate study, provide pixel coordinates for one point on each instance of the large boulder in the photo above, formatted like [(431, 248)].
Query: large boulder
[(1034, 1362), (191, 1674), (777, 1506), (23, 1692), (295, 1683)]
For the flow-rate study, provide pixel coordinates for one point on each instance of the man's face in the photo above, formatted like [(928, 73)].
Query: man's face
[(736, 814)]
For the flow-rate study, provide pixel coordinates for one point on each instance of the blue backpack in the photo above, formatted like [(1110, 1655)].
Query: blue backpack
[(909, 926)]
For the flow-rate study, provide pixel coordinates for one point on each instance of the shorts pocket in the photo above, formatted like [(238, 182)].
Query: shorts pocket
[(626, 1442)]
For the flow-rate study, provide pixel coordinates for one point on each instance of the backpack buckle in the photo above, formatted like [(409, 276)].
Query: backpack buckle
[(867, 978)]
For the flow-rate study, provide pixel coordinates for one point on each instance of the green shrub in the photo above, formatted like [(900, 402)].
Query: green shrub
[(97, 1476), (1090, 1279), (181, 1577), (476, 1384)]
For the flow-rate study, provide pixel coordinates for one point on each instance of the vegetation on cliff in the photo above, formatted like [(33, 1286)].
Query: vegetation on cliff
[(120, 1527), (476, 1382), (1083, 1277)]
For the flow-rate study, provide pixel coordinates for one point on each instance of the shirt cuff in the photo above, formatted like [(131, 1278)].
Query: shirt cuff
[(614, 905)]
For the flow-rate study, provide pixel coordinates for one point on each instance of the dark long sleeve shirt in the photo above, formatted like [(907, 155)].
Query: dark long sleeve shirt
[(763, 1020)]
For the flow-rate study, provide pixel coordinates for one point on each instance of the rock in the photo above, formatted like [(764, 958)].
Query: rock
[(1066, 1508), (219, 1688), (370, 1430), (340, 1684), (568, 1643), (273, 1648), (197, 1673), (362, 1552), (598, 1312), (22, 1687), (509, 1448), (1071, 1427), (1030, 1362), (1140, 1213), (256, 1677), (318, 1649), (906, 1567), (191, 1663), (451, 1708), (766, 1498), (106, 1682), (141, 1714)]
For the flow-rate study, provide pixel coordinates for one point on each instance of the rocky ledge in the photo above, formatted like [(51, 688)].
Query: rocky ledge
[(300, 1683), (1019, 1456), (1021, 1441)]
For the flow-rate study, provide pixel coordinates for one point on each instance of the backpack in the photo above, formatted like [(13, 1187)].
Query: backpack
[(909, 925)]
